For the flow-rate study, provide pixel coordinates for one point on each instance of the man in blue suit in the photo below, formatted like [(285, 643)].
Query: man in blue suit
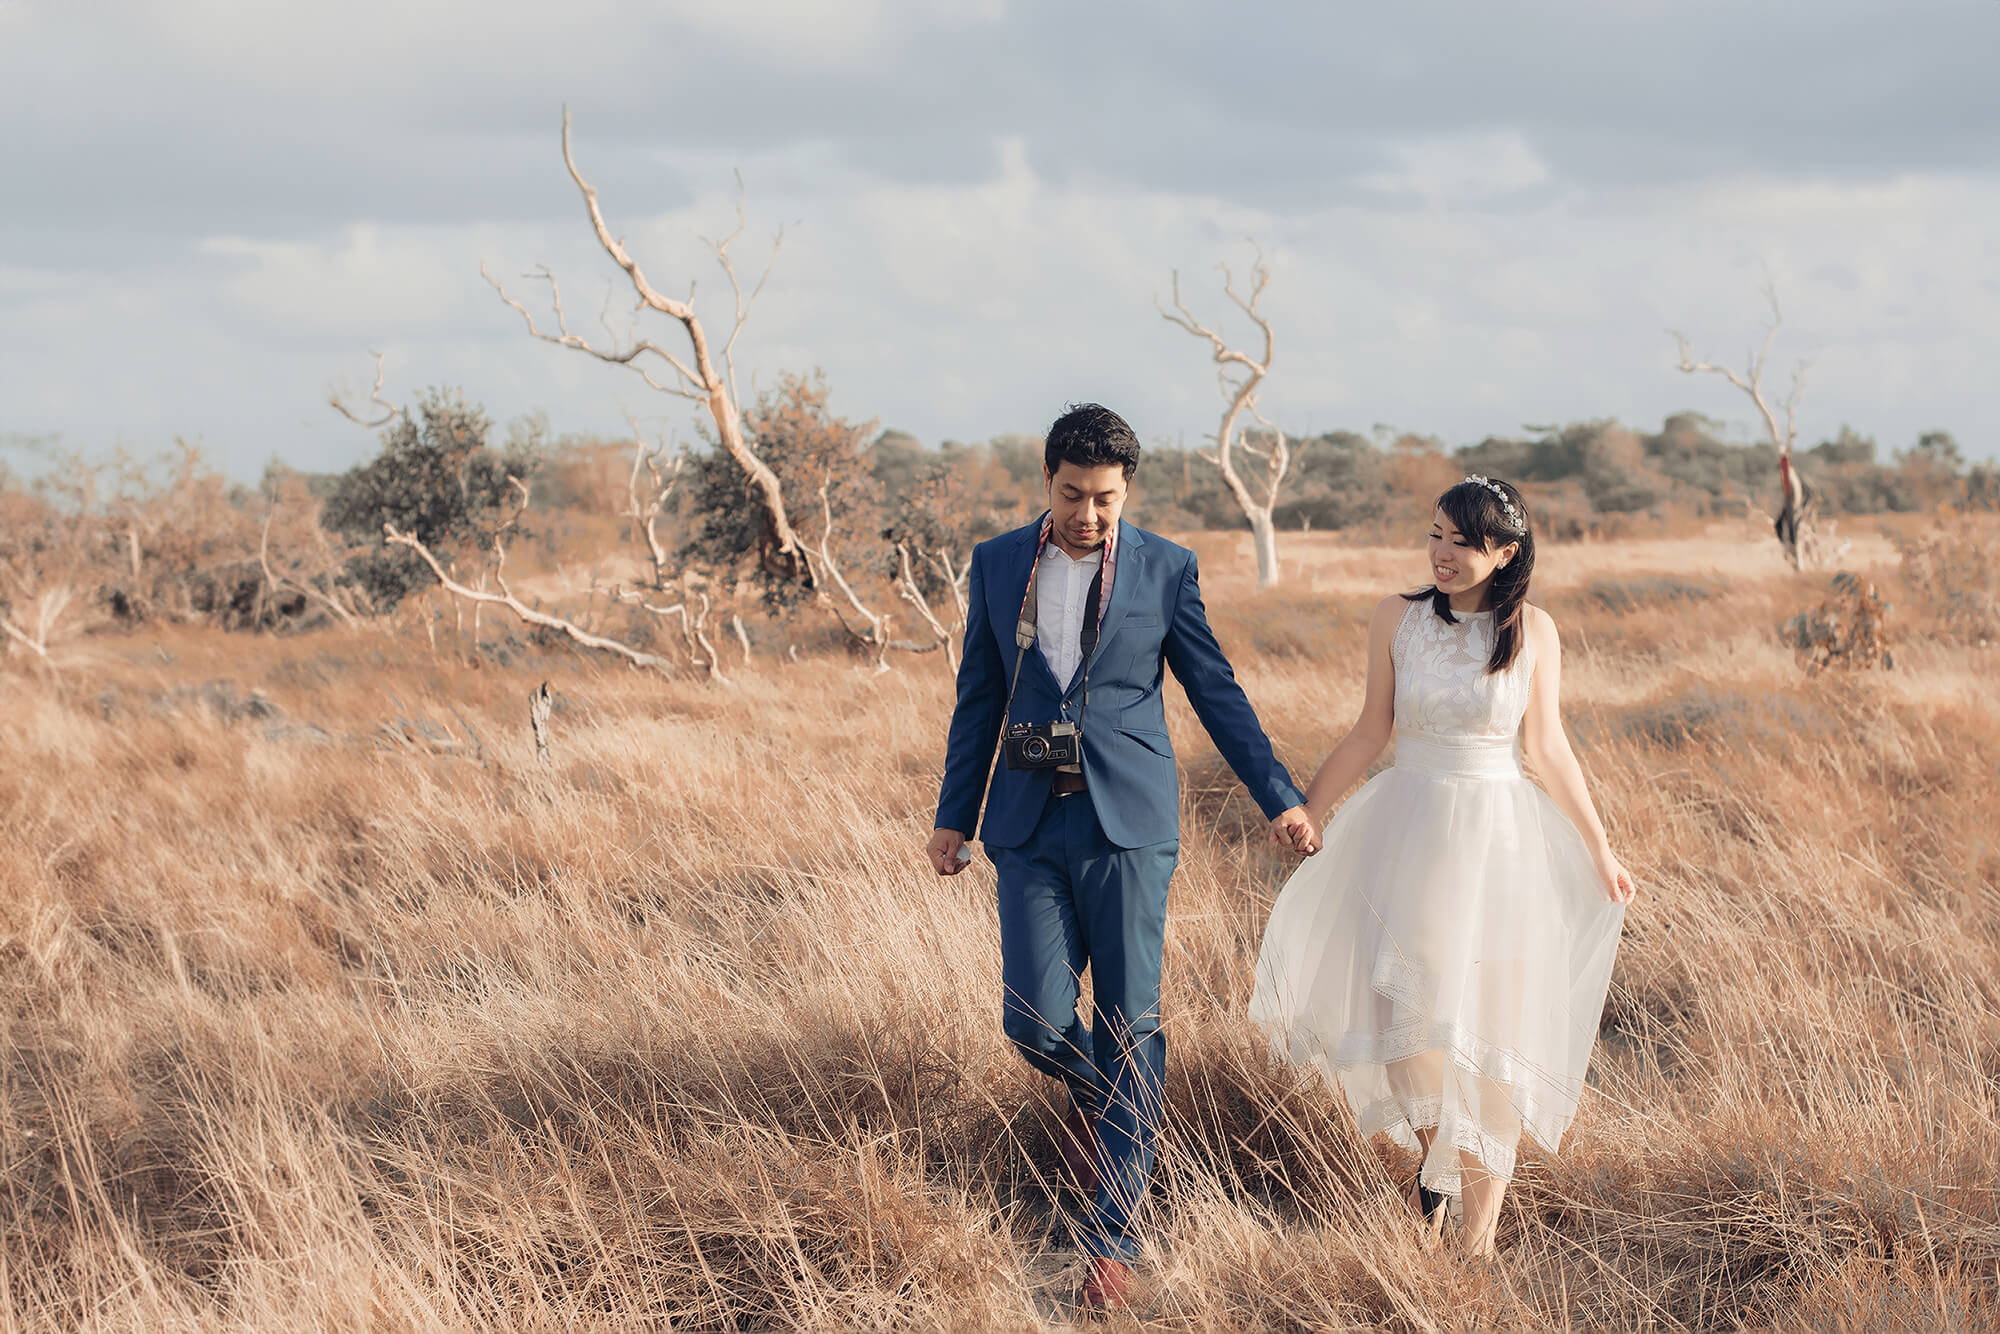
[(1084, 852)]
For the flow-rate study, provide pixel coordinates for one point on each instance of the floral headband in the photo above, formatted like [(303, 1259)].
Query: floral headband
[(1513, 515)]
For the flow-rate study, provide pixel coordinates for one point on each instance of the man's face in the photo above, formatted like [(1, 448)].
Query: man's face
[(1085, 504)]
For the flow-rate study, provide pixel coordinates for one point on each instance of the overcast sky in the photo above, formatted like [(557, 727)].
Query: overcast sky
[(1476, 214)]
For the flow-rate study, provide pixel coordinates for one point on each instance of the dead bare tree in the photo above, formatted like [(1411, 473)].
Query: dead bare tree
[(1795, 521), (1240, 375), (695, 375), (706, 375)]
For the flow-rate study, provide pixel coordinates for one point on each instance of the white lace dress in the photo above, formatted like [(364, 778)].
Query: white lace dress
[(1443, 959)]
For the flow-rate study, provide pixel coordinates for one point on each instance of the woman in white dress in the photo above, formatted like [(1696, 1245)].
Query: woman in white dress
[(1443, 957)]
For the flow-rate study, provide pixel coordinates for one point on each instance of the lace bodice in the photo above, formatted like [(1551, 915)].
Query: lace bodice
[(1443, 690)]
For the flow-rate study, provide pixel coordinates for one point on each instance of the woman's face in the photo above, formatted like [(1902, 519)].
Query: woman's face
[(1457, 565)]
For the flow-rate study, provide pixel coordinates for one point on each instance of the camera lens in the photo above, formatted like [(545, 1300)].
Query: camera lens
[(1035, 749)]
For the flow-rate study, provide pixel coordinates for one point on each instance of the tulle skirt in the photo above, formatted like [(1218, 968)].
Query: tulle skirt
[(1443, 958)]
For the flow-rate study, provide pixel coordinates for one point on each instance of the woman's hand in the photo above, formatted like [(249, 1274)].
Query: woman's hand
[(1294, 829), (1617, 881)]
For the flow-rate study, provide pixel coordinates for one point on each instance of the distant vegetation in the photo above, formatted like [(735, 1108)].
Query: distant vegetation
[(181, 541)]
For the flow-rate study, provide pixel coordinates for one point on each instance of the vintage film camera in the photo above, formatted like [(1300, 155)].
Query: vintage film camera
[(1040, 745)]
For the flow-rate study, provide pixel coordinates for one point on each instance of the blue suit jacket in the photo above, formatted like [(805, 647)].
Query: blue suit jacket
[(1154, 619)]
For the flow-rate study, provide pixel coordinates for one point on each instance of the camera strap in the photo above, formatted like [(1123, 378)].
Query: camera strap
[(1025, 627), (1088, 639)]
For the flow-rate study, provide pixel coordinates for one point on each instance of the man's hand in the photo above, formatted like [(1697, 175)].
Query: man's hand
[(944, 851), (1294, 829)]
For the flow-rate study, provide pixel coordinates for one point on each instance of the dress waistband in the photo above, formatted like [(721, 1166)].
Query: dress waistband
[(1459, 756)]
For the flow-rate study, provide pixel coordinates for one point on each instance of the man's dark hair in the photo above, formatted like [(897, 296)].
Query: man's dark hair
[(1091, 436)]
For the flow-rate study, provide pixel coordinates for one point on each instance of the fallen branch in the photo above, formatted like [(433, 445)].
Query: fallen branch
[(694, 624), (505, 598)]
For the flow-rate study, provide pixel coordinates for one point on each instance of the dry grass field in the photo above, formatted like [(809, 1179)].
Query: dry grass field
[(310, 1026)]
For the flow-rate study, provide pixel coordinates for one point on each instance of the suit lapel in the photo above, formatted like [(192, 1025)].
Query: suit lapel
[(1127, 562)]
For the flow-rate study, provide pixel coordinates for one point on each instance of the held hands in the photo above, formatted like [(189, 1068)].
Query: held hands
[(1294, 829), (945, 852), (1617, 881)]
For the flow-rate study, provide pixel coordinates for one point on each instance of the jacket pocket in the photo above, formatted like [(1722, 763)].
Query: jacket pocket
[(1156, 742)]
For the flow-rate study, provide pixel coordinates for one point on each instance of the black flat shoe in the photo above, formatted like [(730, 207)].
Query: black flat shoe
[(1432, 1202)]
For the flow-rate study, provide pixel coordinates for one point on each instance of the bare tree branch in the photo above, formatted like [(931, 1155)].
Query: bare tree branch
[(955, 578), (785, 553), (645, 510), (1276, 454), (685, 386), (692, 611), (49, 608), (339, 403), (505, 598), (274, 580), (876, 635), (912, 592), (743, 303)]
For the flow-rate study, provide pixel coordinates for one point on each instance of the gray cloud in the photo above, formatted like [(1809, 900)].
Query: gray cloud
[(1519, 195), (1271, 103)]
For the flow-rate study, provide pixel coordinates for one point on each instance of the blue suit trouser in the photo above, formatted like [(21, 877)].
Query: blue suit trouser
[(1069, 897)]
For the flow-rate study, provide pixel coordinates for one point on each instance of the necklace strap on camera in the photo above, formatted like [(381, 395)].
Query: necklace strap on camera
[(1026, 625), (1091, 628)]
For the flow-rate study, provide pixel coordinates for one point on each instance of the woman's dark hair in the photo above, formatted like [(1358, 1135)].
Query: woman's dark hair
[(1490, 513), (1091, 437)]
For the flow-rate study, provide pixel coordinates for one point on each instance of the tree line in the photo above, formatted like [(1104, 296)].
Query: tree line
[(179, 540)]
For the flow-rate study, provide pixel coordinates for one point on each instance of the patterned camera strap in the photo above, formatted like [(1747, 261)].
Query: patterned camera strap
[(1025, 625)]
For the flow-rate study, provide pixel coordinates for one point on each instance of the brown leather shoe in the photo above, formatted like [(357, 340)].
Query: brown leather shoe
[(1109, 1287), (1076, 1141)]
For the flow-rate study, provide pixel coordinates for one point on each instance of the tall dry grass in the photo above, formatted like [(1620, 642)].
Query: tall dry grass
[(311, 1028)]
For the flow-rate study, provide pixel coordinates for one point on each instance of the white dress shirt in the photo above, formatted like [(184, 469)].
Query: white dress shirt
[(1062, 586)]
